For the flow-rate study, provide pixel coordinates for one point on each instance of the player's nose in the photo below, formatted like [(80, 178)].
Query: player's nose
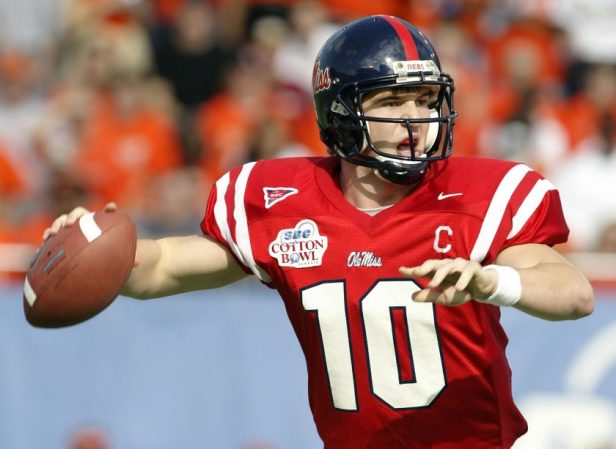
[(409, 110)]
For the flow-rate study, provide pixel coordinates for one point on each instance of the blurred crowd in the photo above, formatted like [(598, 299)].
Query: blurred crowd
[(147, 103)]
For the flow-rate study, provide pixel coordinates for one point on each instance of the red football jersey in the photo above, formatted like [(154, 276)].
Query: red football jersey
[(384, 371)]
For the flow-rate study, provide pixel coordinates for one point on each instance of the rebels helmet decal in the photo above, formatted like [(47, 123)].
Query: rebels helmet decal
[(415, 71), (374, 53)]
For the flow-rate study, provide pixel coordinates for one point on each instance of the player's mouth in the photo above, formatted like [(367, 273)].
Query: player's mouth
[(404, 147)]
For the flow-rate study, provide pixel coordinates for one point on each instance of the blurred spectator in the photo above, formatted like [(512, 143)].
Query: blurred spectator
[(173, 202), (607, 241), (467, 65), (586, 181), (527, 73), (29, 25), (20, 105), (61, 125), (528, 54), (88, 438), (583, 115), (272, 139), (12, 189), (294, 59), (589, 26), (347, 10), (101, 41), (192, 56), (11, 182), (127, 143), (226, 121), (109, 125)]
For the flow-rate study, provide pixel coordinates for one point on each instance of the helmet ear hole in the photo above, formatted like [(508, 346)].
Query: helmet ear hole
[(346, 135), (434, 129)]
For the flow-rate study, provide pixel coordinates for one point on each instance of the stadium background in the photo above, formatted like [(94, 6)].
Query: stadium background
[(148, 102)]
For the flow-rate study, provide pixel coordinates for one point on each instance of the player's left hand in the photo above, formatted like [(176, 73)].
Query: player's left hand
[(452, 281)]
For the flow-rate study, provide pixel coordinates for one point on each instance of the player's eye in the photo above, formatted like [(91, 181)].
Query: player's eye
[(392, 102), (424, 100)]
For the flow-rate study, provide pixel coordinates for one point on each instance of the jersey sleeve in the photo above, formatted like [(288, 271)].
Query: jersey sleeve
[(539, 218), (226, 221), (523, 208)]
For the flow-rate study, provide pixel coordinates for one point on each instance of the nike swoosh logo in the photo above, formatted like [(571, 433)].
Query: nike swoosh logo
[(442, 196)]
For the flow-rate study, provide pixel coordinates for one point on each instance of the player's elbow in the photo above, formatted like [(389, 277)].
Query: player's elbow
[(583, 302)]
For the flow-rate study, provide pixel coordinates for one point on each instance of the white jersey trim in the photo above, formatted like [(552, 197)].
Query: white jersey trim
[(529, 206), (220, 215), (242, 233), (242, 247), (496, 211)]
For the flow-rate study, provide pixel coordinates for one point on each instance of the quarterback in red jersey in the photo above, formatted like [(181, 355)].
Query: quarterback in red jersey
[(392, 258)]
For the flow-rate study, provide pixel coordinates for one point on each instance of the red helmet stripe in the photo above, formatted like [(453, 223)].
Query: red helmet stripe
[(408, 43)]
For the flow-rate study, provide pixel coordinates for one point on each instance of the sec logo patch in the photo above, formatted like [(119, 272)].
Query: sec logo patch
[(299, 247)]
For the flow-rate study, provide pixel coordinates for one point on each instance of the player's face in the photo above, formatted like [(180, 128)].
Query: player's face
[(400, 102)]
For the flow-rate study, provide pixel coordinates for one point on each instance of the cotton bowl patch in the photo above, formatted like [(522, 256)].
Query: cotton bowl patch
[(299, 247)]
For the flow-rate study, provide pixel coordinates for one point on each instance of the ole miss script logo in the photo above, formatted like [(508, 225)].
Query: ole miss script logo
[(320, 79)]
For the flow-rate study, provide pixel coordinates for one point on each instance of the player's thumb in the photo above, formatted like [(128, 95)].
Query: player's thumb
[(110, 207)]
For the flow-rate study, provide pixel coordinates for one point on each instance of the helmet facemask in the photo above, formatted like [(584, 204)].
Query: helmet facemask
[(355, 140)]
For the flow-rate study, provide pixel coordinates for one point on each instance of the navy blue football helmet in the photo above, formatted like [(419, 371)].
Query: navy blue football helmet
[(373, 53)]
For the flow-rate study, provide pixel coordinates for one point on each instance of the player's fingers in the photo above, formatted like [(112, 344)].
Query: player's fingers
[(440, 274), (75, 214), (110, 207), (466, 276), (426, 295), (457, 297), (423, 270), (57, 224), (449, 270), (64, 220), (448, 296)]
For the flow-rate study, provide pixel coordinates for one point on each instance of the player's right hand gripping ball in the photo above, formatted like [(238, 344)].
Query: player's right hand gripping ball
[(79, 271)]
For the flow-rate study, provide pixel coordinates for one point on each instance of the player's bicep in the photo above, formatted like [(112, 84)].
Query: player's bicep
[(529, 255), (552, 288)]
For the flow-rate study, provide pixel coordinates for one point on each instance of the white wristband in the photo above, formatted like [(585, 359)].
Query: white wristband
[(508, 289)]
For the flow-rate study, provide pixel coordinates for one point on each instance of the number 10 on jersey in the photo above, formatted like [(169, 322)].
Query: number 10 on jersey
[(328, 301)]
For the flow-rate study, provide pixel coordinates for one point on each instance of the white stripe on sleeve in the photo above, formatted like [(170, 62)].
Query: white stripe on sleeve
[(529, 206), (242, 232), (496, 211), (220, 215)]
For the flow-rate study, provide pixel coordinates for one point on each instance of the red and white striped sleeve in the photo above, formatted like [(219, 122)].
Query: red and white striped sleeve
[(226, 220), (525, 208)]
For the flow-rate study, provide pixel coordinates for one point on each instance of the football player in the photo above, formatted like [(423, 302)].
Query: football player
[(392, 258)]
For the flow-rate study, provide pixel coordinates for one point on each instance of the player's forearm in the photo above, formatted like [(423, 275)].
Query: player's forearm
[(147, 278), (155, 273), (555, 291), (174, 265)]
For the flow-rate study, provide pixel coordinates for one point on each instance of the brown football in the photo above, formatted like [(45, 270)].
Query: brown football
[(79, 271)]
